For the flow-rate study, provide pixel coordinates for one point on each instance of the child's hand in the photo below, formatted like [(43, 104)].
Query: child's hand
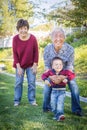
[(65, 80), (47, 83), (57, 78)]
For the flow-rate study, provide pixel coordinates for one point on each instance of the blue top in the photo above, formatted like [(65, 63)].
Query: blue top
[(66, 53)]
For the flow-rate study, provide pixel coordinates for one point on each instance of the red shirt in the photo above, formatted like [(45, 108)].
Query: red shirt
[(25, 52), (70, 75)]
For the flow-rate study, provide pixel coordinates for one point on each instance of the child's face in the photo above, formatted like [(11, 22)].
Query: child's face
[(57, 65)]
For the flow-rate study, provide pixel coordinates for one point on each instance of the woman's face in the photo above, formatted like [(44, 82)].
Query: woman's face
[(23, 31), (58, 39)]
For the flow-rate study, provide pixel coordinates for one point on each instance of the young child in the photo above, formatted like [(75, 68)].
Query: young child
[(58, 90)]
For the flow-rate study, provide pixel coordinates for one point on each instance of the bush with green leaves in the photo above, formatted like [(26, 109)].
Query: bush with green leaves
[(69, 39), (76, 36), (44, 41), (79, 34)]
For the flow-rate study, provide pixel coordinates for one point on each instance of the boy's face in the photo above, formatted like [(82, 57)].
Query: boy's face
[(57, 65)]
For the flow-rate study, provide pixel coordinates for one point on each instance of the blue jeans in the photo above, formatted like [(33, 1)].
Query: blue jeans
[(19, 86), (46, 98), (75, 101), (57, 102)]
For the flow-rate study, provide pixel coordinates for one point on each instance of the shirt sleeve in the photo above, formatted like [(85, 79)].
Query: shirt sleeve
[(70, 62), (47, 60), (15, 55), (45, 75), (36, 53), (70, 75)]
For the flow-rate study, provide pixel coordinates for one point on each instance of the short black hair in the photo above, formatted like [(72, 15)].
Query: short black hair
[(22, 23), (56, 58)]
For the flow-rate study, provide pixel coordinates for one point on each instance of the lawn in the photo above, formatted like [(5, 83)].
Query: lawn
[(27, 117)]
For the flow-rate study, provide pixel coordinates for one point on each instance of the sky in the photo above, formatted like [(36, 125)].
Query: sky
[(44, 6), (47, 4)]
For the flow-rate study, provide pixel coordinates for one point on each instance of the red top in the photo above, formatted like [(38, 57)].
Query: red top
[(70, 75), (25, 52)]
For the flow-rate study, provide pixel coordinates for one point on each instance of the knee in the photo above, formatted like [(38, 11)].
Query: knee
[(47, 90), (73, 85)]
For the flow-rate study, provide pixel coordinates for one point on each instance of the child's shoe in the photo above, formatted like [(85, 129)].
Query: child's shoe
[(16, 104), (61, 118)]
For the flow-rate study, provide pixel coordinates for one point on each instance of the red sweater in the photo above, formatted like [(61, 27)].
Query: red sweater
[(70, 75), (25, 52)]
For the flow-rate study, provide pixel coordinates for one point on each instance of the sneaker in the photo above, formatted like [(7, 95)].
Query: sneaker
[(78, 113), (16, 104), (61, 118), (34, 104), (48, 110)]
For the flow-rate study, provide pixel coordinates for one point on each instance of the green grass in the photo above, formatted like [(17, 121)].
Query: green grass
[(27, 117)]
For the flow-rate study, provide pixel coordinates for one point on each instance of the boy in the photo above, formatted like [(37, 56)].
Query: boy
[(58, 90)]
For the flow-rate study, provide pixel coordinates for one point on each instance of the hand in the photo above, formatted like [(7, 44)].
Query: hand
[(19, 71), (47, 83), (65, 80), (57, 78), (34, 68)]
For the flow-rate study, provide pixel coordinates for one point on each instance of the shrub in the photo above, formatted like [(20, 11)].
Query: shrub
[(76, 36), (79, 34), (80, 42), (44, 41), (69, 39)]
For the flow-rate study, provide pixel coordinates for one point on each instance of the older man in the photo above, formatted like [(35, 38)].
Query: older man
[(58, 48)]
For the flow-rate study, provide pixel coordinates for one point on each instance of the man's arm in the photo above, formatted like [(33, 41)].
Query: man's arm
[(46, 56), (70, 62)]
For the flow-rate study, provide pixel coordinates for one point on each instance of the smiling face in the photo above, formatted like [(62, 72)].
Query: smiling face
[(58, 38), (57, 65), (23, 31), (22, 28)]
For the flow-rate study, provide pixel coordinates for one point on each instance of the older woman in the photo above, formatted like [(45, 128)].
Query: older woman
[(58, 48), (25, 54)]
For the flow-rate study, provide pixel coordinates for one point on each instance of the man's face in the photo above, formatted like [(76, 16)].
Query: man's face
[(58, 39), (57, 65)]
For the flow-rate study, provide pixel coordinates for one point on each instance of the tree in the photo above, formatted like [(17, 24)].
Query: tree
[(21, 9), (7, 20), (10, 12), (80, 11), (74, 14)]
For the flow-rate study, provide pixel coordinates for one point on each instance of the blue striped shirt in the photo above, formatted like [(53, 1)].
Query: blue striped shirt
[(66, 53)]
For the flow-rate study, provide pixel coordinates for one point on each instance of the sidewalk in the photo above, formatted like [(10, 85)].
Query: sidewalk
[(42, 85)]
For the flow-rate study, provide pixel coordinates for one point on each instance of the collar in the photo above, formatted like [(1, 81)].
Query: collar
[(55, 71)]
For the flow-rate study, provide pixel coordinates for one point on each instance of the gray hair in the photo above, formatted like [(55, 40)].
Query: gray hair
[(57, 29)]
